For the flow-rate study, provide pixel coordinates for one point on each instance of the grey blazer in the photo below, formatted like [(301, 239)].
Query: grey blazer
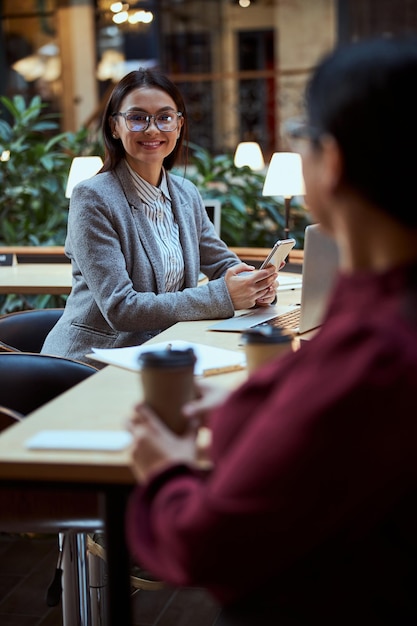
[(118, 293)]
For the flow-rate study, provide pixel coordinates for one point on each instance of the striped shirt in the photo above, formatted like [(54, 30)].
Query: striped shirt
[(161, 218)]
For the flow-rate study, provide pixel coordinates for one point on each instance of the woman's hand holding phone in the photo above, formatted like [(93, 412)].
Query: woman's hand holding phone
[(265, 286), (248, 287)]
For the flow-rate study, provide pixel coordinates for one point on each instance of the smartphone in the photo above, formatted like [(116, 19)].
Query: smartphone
[(279, 253)]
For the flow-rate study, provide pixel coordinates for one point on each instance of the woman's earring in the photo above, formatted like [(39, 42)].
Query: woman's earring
[(114, 136)]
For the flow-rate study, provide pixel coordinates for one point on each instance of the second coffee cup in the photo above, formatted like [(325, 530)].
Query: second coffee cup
[(265, 343), (168, 382)]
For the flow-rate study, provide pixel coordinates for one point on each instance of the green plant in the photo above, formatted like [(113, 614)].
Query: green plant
[(248, 218), (34, 165), (33, 174)]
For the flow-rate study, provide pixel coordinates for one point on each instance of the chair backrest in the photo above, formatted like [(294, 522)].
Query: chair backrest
[(4, 347), (29, 380), (26, 330), (8, 417)]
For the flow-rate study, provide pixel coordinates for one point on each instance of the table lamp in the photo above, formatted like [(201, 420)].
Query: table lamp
[(285, 178), (82, 168), (249, 153)]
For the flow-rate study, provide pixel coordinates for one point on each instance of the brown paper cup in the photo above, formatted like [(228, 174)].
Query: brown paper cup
[(264, 344), (168, 383)]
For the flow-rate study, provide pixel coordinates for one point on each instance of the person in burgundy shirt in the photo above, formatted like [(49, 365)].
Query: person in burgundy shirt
[(308, 514)]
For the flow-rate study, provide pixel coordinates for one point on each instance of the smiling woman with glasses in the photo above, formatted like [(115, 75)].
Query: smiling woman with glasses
[(139, 236)]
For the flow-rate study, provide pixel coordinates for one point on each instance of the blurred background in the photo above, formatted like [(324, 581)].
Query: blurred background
[(241, 64)]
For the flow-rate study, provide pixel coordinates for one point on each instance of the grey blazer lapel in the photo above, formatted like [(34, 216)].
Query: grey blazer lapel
[(184, 215)]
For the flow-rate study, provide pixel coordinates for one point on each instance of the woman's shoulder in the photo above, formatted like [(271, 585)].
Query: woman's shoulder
[(101, 192), (99, 180)]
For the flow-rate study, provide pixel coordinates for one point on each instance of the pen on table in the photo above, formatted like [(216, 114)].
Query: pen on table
[(212, 371)]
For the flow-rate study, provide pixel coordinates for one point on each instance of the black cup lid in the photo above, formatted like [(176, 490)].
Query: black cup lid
[(266, 334), (167, 358)]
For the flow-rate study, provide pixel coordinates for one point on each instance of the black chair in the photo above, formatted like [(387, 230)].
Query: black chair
[(8, 417), (29, 380), (26, 330), (4, 347)]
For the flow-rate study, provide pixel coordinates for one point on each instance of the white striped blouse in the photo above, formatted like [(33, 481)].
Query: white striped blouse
[(158, 210)]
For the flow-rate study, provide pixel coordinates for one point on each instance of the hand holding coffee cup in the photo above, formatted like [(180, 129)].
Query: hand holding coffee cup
[(168, 383)]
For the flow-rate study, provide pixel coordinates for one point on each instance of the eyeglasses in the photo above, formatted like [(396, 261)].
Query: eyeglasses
[(137, 121)]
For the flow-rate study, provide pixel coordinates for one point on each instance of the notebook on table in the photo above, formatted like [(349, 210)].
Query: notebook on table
[(320, 265)]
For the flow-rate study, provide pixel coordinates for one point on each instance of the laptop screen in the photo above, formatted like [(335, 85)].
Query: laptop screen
[(320, 266)]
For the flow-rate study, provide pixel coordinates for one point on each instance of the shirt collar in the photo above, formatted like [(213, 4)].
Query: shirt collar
[(148, 193)]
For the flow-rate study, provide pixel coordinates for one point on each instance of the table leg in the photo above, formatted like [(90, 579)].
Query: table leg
[(118, 562), (97, 575), (75, 608)]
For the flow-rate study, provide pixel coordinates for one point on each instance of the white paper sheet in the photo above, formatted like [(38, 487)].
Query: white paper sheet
[(209, 361), (79, 440)]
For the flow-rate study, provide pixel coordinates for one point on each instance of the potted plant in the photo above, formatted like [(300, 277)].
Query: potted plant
[(34, 165)]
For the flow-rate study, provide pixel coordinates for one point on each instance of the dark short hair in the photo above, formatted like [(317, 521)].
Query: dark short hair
[(364, 95), (114, 151)]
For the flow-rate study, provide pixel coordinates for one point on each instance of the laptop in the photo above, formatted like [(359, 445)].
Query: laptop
[(320, 266)]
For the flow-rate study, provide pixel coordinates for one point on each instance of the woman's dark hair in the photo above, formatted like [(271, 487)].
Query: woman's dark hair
[(365, 96), (114, 151)]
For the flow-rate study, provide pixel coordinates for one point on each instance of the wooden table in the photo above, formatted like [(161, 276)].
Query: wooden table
[(56, 278), (36, 278), (79, 484)]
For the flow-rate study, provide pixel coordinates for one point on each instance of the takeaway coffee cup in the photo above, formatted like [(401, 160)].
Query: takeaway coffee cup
[(168, 382), (264, 344)]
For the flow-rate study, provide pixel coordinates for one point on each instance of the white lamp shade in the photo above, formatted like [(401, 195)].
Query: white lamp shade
[(31, 67), (284, 176), (249, 153), (81, 169)]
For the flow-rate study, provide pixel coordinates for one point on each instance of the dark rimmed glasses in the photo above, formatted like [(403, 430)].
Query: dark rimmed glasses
[(138, 121)]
